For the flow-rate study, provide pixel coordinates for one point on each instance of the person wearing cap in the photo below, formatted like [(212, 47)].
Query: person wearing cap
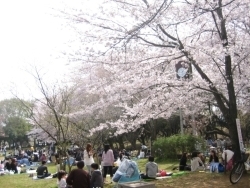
[(42, 171)]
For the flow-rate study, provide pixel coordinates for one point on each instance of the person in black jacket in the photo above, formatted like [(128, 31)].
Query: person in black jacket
[(183, 163), (213, 157)]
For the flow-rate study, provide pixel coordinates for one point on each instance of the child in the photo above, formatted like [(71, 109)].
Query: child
[(96, 180), (61, 179)]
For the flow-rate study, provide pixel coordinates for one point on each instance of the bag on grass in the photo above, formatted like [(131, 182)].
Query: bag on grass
[(221, 168)]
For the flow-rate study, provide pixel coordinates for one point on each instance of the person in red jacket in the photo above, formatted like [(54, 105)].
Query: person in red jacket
[(79, 178)]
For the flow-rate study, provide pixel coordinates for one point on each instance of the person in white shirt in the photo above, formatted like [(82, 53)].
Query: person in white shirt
[(88, 157), (61, 179), (196, 162), (229, 161)]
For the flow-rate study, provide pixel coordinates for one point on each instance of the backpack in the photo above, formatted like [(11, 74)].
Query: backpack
[(221, 168)]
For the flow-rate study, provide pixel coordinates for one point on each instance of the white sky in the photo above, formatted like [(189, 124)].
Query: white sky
[(31, 36)]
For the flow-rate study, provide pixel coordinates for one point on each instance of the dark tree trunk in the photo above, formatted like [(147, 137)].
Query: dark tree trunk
[(232, 110), (120, 142), (133, 143)]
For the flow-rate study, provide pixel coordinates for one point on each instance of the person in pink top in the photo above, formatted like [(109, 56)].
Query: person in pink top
[(107, 161)]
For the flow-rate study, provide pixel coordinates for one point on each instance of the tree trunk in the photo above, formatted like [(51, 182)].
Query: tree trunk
[(133, 143), (120, 142)]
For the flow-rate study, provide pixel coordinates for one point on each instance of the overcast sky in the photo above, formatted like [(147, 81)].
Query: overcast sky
[(32, 36)]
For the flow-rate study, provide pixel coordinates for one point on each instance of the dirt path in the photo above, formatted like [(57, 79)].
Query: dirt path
[(207, 180)]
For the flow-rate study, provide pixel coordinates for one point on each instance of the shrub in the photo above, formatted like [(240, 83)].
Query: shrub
[(170, 147)]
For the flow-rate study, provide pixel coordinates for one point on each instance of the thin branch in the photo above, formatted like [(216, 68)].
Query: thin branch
[(156, 45)]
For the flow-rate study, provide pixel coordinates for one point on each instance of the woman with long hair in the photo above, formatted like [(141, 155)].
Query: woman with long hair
[(183, 163), (213, 157), (13, 165), (88, 157), (107, 161), (195, 162)]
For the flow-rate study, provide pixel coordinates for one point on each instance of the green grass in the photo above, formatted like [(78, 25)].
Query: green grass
[(23, 181)]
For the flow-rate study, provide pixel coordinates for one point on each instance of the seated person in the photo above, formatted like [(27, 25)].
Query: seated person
[(13, 165), (151, 169), (42, 171), (183, 163), (229, 154), (118, 162), (35, 156), (43, 157), (2, 166), (201, 156), (213, 157), (7, 163), (196, 162), (62, 179)]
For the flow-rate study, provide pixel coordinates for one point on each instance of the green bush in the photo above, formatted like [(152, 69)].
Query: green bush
[(170, 147)]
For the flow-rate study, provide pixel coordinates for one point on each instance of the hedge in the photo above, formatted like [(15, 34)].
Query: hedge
[(170, 147)]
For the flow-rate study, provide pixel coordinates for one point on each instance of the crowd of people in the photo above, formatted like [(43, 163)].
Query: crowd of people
[(22, 158), (198, 162), (96, 171)]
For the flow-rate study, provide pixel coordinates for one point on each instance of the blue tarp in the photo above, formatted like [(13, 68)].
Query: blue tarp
[(127, 172)]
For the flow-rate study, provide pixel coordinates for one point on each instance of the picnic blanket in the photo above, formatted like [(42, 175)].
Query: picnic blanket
[(36, 178), (31, 171), (163, 177)]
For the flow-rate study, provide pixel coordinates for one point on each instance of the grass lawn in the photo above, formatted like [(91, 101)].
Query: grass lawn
[(188, 180)]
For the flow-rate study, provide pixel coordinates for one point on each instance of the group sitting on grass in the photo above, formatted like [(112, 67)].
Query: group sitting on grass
[(198, 162)]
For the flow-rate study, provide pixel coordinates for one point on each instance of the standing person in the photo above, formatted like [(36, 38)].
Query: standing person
[(223, 144), (96, 176), (5, 150), (219, 145), (144, 149), (61, 179), (42, 171), (57, 162), (107, 161), (88, 157), (79, 178)]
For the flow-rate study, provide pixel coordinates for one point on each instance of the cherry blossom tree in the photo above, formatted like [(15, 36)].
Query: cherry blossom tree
[(139, 43), (50, 116)]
